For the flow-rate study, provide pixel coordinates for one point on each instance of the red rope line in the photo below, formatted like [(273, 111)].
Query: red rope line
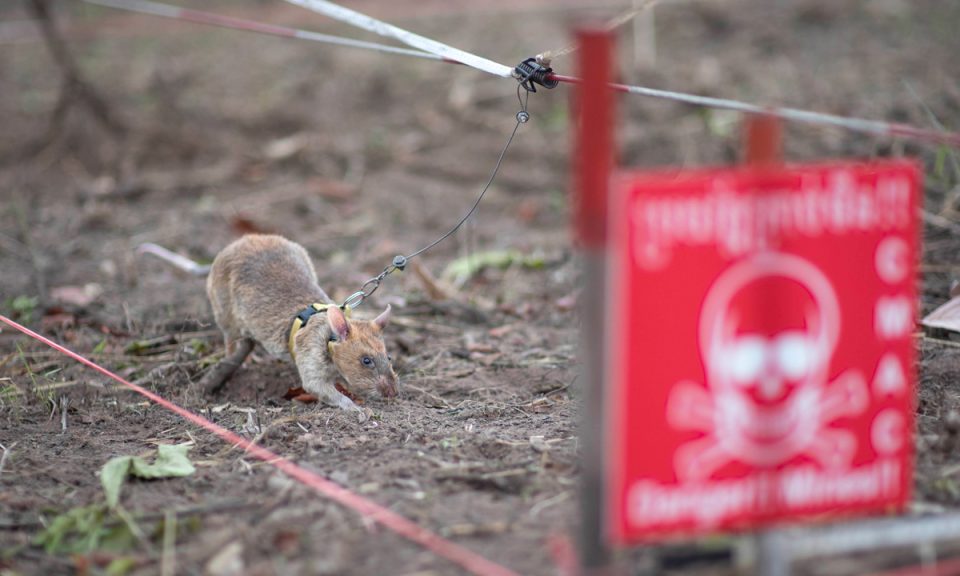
[(457, 554)]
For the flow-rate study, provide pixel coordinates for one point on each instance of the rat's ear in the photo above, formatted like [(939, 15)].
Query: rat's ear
[(383, 318), (338, 322)]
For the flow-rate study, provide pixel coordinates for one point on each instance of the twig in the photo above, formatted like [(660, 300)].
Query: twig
[(940, 222), (950, 201), (941, 342), (465, 529), (6, 453), (14, 246), (548, 502), (134, 529), (431, 326), (157, 373), (435, 289), (57, 385), (197, 510), (64, 402), (168, 562), (438, 401), (444, 465), (33, 378), (6, 359), (74, 84), (264, 432)]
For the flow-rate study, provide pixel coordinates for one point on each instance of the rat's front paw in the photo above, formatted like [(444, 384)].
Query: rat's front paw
[(347, 404)]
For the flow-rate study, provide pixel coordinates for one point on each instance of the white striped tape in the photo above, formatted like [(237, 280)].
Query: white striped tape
[(365, 22)]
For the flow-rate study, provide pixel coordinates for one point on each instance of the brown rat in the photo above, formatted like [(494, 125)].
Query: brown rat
[(264, 288)]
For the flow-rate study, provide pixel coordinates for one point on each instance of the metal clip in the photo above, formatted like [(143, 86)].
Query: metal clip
[(530, 72), (357, 298), (354, 300)]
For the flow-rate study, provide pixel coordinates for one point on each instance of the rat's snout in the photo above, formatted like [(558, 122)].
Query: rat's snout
[(387, 385)]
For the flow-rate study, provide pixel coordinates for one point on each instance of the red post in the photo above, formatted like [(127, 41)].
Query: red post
[(763, 148), (594, 111), (593, 153), (763, 140)]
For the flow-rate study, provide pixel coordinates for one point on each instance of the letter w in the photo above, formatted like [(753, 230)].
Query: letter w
[(893, 317)]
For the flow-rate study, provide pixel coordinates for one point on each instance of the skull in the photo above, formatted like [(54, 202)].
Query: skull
[(768, 329)]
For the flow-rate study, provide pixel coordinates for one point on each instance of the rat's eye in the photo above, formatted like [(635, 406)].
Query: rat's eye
[(367, 361), (389, 358)]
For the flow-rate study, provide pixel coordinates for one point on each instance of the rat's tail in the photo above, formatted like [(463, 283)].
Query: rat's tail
[(181, 262)]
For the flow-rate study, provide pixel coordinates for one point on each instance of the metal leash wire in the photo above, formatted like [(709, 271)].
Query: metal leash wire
[(400, 261)]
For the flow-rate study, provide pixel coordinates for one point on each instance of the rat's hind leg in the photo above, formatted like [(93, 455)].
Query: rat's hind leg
[(219, 374), (229, 344)]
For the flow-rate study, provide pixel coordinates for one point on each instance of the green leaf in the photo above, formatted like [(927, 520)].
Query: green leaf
[(171, 462), (112, 476), (99, 347), (137, 347), (462, 269), (78, 530), (24, 306), (121, 566), (197, 346)]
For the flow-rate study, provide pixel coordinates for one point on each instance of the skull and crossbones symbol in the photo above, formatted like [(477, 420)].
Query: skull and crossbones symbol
[(768, 329)]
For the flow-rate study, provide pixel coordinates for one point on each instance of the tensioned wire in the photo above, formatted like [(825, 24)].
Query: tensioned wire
[(432, 50)]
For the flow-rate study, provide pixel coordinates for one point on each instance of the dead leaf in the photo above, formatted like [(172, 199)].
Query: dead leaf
[(529, 209), (77, 295), (946, 317), (568, 302), (283, 148), (486, 359), (100, 186), (346, 392), (564, 554), (306, 398), (228, 561), (111, 331), (335, 190), (298, 394), (57, 319), (254, 172), (501, 331), (81, 564), (539, 443), (243, 225), (481, 349), (286, 542)]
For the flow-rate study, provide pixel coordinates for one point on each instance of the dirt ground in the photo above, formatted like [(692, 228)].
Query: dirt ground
[(359, 156)]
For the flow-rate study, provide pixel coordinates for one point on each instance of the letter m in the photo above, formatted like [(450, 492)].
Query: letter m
[(893, 317)]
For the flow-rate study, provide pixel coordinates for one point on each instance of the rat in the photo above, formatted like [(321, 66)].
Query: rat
[(263, 288)]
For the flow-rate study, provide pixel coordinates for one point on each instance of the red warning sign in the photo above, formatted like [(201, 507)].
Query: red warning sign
[(762, 361)]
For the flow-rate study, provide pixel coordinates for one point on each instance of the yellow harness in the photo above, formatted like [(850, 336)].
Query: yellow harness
[(300, 320)]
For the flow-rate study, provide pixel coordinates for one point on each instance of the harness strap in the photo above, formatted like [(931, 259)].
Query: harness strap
[(301, 319)]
